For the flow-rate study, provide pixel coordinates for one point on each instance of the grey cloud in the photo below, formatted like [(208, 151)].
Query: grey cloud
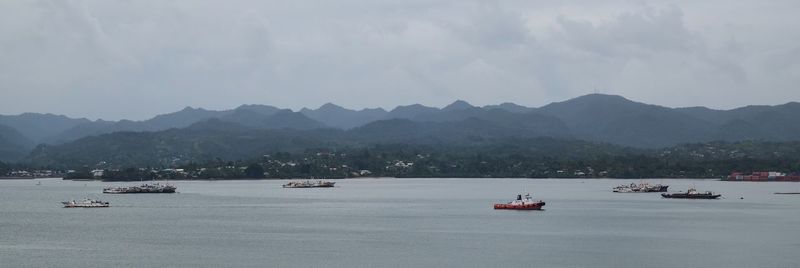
[(135, 59), (630, 34), (489, 25), (654, 39)]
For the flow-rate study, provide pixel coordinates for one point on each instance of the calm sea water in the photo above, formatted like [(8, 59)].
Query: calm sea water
[(400, 223)]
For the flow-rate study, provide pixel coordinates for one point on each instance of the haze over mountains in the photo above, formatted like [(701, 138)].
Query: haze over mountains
[(250, 130)]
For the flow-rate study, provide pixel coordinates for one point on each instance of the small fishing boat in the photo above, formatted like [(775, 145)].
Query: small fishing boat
[(522, 203)]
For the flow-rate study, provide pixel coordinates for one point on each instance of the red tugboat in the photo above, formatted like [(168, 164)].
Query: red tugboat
[(522, 203)]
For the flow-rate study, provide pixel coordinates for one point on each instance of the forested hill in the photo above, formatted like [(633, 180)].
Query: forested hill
[(452, 142), (196, 133)]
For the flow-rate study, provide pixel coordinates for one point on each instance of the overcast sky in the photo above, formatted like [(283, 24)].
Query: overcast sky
[(135, 59)]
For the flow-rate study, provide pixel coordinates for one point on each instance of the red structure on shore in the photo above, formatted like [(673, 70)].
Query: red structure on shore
[(762, 176)]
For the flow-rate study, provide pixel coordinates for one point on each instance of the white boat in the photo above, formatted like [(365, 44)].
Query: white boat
[(143, 189), (309, 184), (86, 203), (640, 188)]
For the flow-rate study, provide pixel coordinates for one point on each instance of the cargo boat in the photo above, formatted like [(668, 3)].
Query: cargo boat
[(155, 188), (640, 188), (522, 203), (85, 203), (692, 194), (309, 184)]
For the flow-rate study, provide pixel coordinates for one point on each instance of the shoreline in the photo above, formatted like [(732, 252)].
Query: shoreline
[(384, 178), (20, 178)]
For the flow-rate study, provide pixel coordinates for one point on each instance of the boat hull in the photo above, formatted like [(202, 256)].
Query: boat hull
[(307, 184), (139, 192), (686, 196), (83, 206), (533, 206)]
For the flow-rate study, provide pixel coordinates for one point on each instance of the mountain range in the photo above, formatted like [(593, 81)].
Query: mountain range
[(196, 133)]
